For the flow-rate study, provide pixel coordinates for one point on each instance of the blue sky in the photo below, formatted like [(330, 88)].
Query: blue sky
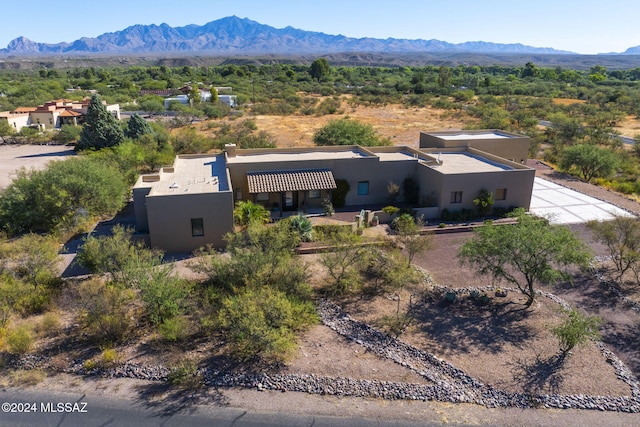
[(582, 26)]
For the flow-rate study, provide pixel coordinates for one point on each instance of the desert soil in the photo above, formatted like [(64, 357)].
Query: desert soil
[(504, 350)]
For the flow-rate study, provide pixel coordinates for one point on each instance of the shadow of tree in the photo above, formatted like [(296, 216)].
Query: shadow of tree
[(542, 375), (466, 325), (624, 340), (169, 400)]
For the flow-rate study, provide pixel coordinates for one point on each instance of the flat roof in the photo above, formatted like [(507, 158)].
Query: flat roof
[(451, 163), (396, 156), (297, 156), (466, 136), (205, 174)]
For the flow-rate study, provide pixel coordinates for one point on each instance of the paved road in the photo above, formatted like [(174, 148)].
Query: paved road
[(69, 409)]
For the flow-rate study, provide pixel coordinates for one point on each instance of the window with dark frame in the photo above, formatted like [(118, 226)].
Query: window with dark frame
[(314, 194), (262, 197), (456, 197), (197, 227), (363, 188), (501, 194)]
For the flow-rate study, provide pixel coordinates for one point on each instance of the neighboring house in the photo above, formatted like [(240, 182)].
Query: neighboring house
[(15, 120), (230, 100), (191, 204), (53, 114)]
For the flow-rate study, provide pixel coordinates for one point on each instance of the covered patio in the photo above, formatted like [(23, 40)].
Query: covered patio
[(291, 191)]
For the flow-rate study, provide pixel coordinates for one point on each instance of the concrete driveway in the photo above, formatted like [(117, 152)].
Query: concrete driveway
[(14, 157), (565, 206)]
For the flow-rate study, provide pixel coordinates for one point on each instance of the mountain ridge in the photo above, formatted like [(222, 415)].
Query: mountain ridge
[(233, 35)]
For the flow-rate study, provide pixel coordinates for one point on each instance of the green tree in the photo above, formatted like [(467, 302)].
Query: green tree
[(247, 212), (409, 235), (319, 68), (68, 134), (444, 75), (6, 129), (348, 132), (63, 195), (530, 70), (576, 329), (345, 262), (101, 129), (523, 254), (214, 95), (195, 97), (621, 236), (590, 161), (137, 126)]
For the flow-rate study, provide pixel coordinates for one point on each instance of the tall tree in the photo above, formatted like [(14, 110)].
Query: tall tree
[(622, 237), (101, 129), (137, 127), (590, 161), (348, 132), (523, 254), (319, 68)]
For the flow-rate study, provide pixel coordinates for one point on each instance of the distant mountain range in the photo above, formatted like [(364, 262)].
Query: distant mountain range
[(233, 35)]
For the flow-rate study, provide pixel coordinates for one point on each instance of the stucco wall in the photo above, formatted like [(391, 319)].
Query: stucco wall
[(169, 219), (514, 148)]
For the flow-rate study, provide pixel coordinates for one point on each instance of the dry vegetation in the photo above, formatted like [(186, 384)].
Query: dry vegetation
[(400, 124)]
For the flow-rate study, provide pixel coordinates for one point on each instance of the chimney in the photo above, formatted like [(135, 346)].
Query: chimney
[(230, 149)]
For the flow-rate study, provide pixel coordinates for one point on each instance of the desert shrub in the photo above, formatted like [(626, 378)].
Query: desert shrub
[(277, 109), (26, 377), (389, 271), (19, 340), (346, 262), (49, 324), (264, 323), (186, 375), (173, 328), (391, 210), (576, 329), (302, 226), (328, 106), (106, 312), (110, 357), (162, 292)]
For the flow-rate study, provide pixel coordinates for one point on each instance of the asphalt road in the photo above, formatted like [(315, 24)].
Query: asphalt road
[(73, 409)]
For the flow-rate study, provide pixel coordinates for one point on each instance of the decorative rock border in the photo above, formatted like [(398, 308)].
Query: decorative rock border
[(447, 383)]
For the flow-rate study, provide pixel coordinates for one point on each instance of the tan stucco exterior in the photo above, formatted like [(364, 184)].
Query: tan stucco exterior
[(503, 144), (206, 187)]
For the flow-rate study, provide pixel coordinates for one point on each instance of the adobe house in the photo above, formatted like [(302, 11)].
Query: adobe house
[(190, 204)]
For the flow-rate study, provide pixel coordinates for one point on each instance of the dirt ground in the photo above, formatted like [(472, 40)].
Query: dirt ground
[(497, 344), (402, 125)]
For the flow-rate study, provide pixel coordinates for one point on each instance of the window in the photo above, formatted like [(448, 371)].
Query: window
[(197, 227), (314, 194), (262, 197), (456, 197), (238, 193), (363, 188), (501, 194)]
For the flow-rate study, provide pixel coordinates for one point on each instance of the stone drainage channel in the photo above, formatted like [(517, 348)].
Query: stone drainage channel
[(447, 383)]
